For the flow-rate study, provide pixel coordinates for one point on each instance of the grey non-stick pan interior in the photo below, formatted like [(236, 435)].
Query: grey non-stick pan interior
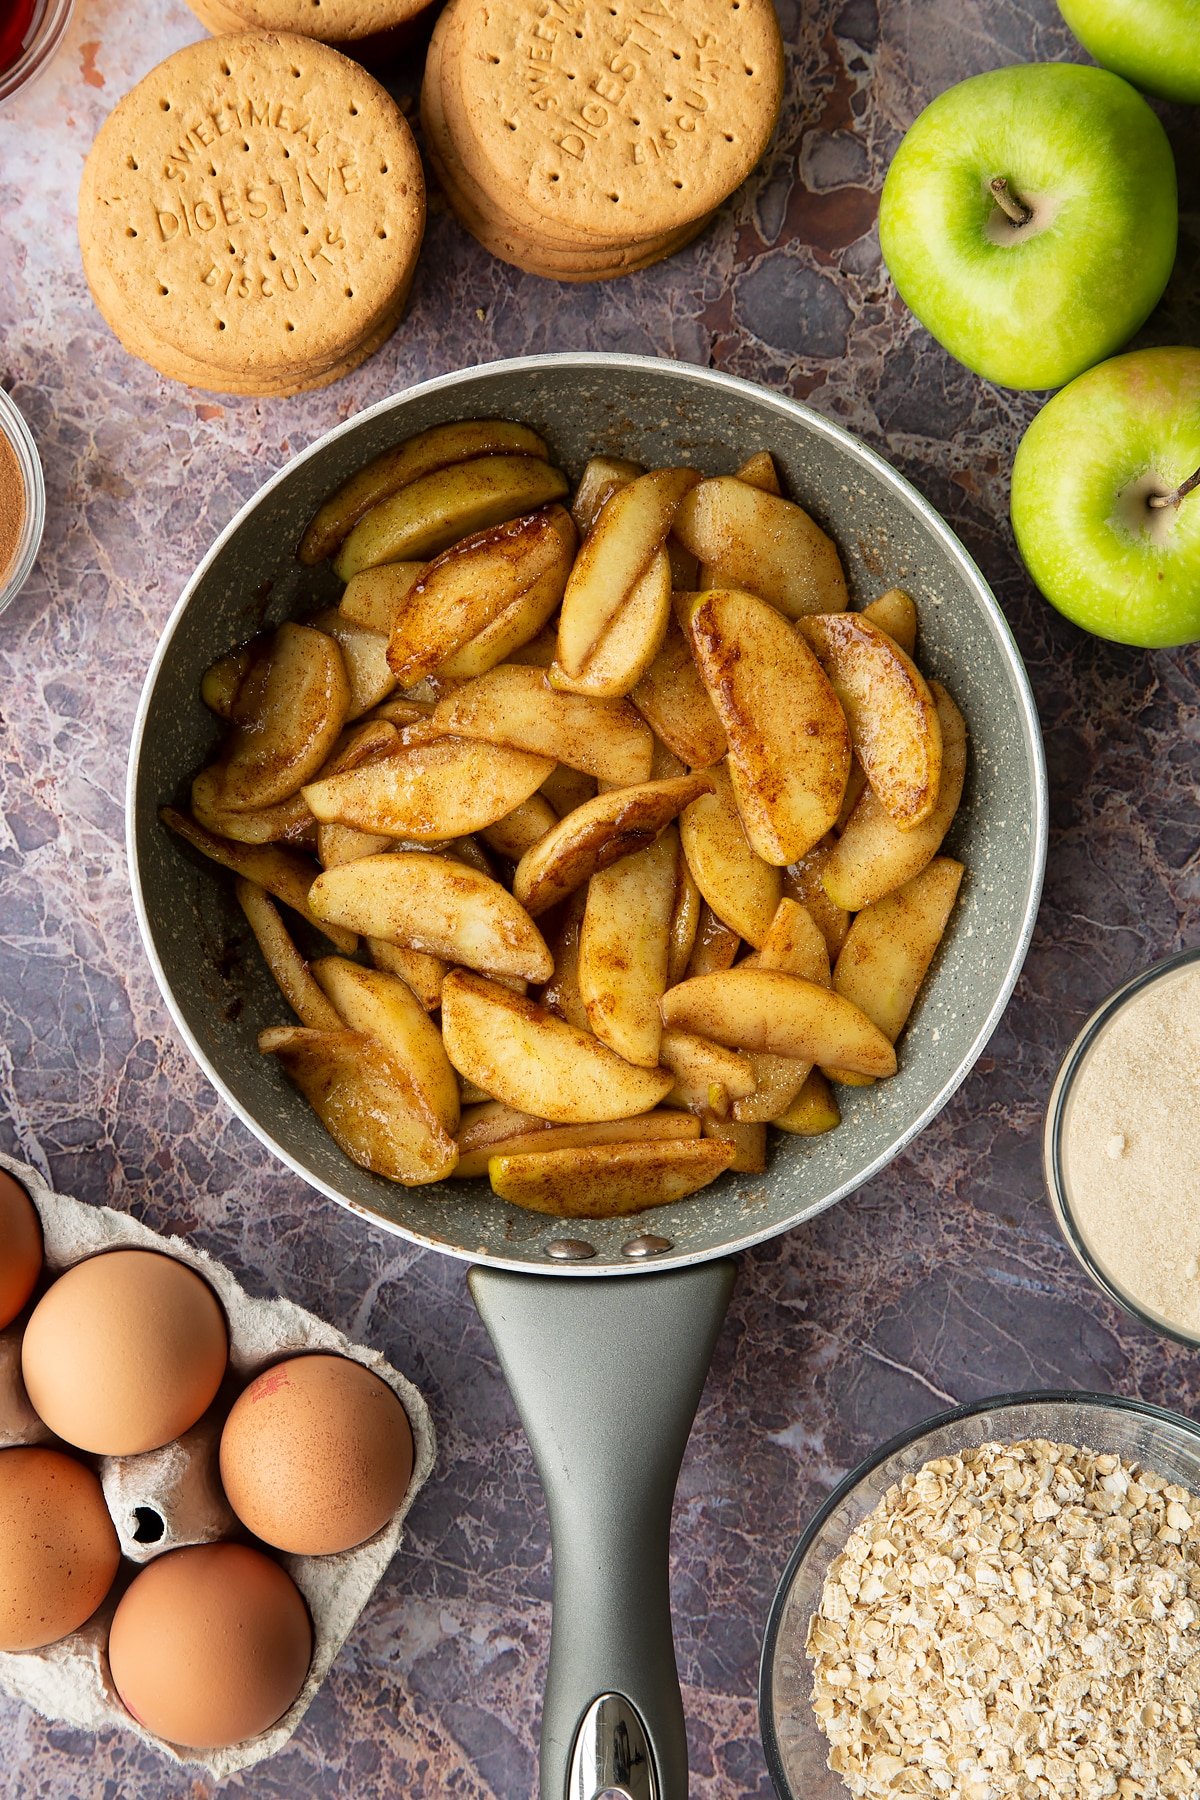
[(220, 995)]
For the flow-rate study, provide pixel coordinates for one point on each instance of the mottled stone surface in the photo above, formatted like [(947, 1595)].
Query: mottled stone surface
[(945, 1280)]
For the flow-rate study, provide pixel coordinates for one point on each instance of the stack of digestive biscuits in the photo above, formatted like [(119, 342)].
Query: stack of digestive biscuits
[(582, 143), (250, 215)]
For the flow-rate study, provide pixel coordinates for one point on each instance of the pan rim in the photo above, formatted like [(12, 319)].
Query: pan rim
[(692, 374)]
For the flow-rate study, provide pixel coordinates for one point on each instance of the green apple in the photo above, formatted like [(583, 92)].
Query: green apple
[(1029, 220), (1153, 43), (1106, 498)]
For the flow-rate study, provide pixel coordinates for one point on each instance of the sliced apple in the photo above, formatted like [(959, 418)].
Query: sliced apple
[(366, 1102), (520, 1053), (435, 904), (221, 680), (430, 792), (538, 652), (602, 476), (375, 598), (403, 712), (760, 1009), (598, 834), (895, 612), (855, 783), (759, 471), (289, 822), (515, 705), (795, 944), (423, 973), (606, 1181), (629, 643), (789, 744), (740, 887), (566, 789), (292, 974), (892, 715), (283, 873), (519, 630), (371, 739), (803, 882), (624, 947), (495, 1130), (417, 456), (432, 513), (747, 1143), (768, 546), (522, 828), (893, 941), (777, 1081), (716, 946), (626, 538), (286, 719), (813, 1111), (874, 856), (364, 652), (473, 583), (561, 993), (674, 701), (386, 1009), (686, 914), (707, 1076)]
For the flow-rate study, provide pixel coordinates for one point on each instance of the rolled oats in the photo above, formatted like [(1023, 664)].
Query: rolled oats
[(1018, 1622)]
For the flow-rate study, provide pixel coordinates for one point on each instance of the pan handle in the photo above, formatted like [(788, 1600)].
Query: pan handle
[(607, 1374)]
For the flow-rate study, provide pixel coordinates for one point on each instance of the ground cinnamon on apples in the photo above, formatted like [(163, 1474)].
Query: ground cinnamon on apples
[(12, 506)]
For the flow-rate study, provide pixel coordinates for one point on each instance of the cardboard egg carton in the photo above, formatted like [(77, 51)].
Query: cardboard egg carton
[(178, 1487)]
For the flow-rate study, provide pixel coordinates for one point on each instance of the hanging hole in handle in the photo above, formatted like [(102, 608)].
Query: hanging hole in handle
[(150, 1527)]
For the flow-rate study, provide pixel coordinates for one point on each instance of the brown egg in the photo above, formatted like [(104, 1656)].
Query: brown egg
[(316, 1455), (210, 1645), (58, 1548), (20, 1248), (124, 1352)]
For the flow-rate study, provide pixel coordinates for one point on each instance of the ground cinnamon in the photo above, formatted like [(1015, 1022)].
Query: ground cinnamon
[(12, 506)]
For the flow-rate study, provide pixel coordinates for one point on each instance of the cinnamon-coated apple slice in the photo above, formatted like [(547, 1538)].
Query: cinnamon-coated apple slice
[(436, 904), (767, 546), (813, 1111), (715, 946), (630, 641), (521, 1053), (286, 718), (624, 949), (597, 834), (606, 1181), (673, 699), (891, 712), (761, 1009), (794, 946), (631, 529), (283, 873), (431, 791), (686, 913), (561, 994), (293, 976), (747, 1143), (437, 510), (494, 1129), (375, 598), (602, 476), (519, 633), (424, 454), (516, 705), (707, 1075), (385, 1007), (742, 890), (895, 612), (802, 881), (423, 973), (473, 583), (366, 1102), (873, 856), (522, 828), (364, 653), (789, 743), (892, 942)]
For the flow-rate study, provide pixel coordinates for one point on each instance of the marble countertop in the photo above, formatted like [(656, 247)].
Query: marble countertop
[(942, 1281)]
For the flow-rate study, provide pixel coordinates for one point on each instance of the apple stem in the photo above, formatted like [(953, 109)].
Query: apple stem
[(1178, 495), (1007, 201)]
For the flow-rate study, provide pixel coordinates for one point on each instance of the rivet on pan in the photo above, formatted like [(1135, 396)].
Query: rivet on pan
[(570, 1249), (646, 1245)]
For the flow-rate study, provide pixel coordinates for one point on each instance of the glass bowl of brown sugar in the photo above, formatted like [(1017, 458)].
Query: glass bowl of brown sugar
[(22, 501)]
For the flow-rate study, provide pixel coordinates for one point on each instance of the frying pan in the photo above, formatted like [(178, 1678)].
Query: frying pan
[(606, 1371)]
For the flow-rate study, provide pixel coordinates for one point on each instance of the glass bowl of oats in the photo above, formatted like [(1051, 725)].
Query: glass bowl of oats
[(1003, 1602)]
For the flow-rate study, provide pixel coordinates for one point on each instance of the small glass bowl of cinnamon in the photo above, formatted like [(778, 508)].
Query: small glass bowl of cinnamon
[(22, 501)]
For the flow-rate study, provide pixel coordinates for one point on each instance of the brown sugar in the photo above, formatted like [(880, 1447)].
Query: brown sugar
[(12, 506)]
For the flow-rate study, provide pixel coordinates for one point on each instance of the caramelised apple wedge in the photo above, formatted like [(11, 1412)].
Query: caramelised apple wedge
[(624, 948), (760, 1009), (607, 1181), (516, 706), (431, 791), (742, 890), (386, 1009), (753, 540), (435, 904), (597, 834), (495, 1129), (519, 1052), (286, 716), (789, 745)]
